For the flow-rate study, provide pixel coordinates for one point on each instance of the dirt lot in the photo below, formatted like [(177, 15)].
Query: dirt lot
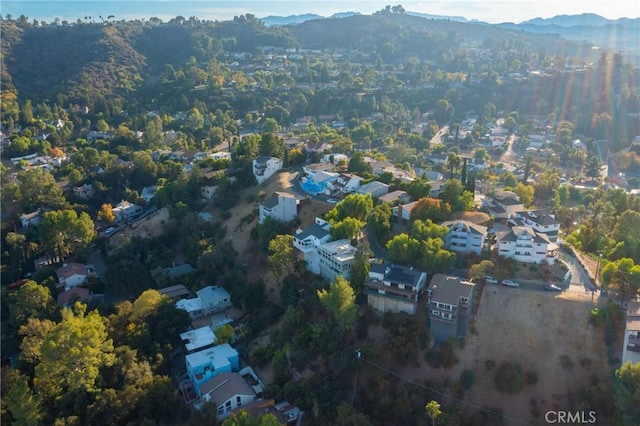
[(147, 227), (533, 329)]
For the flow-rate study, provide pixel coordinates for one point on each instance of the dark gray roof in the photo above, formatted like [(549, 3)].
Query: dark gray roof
[(262, 159), (403, 275), (539, 217), (449, 290), (225, 386), (314, 230), (271, 202), (378, 268)]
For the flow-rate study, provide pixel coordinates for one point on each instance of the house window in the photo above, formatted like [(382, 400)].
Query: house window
[(238, 400), (435, 313), (228, 405), (221, 409)]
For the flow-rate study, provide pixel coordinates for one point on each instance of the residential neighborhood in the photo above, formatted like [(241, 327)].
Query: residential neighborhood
[(372, 219)]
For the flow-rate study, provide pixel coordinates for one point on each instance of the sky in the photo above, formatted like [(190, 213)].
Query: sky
[(491, 11)]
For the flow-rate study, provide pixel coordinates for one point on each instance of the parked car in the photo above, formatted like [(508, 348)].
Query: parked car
[(109, 230), (552, 287), (332, 201), (511, 283), (490, 280)]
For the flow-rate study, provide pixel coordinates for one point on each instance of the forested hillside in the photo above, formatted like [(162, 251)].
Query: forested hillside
[(77, 62)]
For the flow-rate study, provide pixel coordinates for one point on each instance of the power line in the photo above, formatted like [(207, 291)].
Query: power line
[(359, 357), (469, 404)]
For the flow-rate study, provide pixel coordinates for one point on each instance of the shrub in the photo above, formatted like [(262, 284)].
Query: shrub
[(508, 378), (531, 377), (566, 363)]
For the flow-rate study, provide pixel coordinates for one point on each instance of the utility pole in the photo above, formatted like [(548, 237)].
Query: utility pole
[(355, 380)]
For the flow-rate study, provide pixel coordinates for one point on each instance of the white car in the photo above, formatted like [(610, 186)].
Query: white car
[(332, 201), (511, 283), (490, 280), (109, 230)]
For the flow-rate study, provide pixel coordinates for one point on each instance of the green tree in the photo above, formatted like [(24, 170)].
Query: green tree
[(479, 270), (270, 125), (31, 300), (33, 333), (357, 206), (63, 232), (24, 406), (510, 180), (358, 165), (244, 419), (456, 196), (361, 267), (73, 353), (147, 303), (347, 228), (340, 301), (379, 222), (525, 192), (37, 188), (224, 334), (281, 254), (626, 386), (272, 145), (418, 188), (433, 411)]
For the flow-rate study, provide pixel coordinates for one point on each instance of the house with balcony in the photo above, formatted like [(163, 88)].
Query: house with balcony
[(264, 167), (540, 221), (208, 363), (125, 211), (464, 236), (308, 240), (336, 258), (208, 301), (281, 206), (525, 244), (504, 204), (631, 347), (394, 288), (450, 306), (345, 184)]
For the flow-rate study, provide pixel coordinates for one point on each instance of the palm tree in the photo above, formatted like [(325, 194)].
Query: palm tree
[(433, 411), (454, 162)]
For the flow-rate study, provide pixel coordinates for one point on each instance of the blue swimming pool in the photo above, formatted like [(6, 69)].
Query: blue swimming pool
[(310, 187)]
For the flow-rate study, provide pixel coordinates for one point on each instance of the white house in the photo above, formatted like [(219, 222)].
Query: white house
[(399, 196), (124, 211), (345, 184), (208, 300), (336, 258), (314, 168), (631, 348), (337, 159), (264, 167), (464, 236), (374, 188), (280, 206), (30, 219), (309, 239), (198, 339), (394, 288), (540, 221), (229, 391), (524, 244), (71, 275)]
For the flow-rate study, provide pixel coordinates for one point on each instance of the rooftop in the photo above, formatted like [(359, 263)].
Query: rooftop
[(218, 356), (470, 226), (449, 290), (314, 230), (198, 338), (69, 269), (225, 386), (403, 275)]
